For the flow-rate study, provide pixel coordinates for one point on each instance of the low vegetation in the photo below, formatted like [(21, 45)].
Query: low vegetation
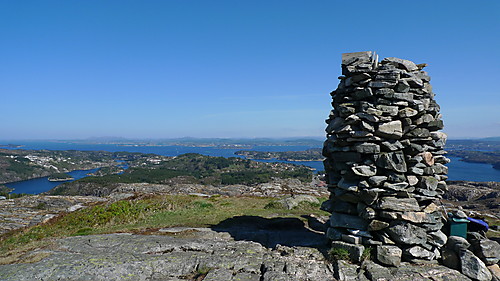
[(335, 254), (201, 169), (149, 213), (6, 192)]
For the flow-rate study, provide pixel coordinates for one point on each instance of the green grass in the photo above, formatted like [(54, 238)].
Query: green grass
[(154, 212), (491, 222), (368, 254), (335, 254)]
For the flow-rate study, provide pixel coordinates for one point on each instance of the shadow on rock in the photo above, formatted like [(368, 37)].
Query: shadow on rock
[(273, 231)]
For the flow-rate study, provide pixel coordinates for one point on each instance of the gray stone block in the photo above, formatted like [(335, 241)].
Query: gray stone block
[(355, 251), (407, 233), (348, 221), (389, 255), (473, 267)]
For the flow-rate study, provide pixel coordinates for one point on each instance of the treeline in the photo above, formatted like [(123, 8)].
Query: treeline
[(196, 168), (5, 192)]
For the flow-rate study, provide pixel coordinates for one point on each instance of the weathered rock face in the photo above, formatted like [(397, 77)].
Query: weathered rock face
[(156, 257), (385, 159), (183, 253), (31, 210)]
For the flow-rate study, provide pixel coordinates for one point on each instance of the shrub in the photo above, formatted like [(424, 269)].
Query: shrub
[(203, 204), (41, 206), (273, 205)]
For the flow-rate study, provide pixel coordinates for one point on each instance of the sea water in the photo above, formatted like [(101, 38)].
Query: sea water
[(457, 170)]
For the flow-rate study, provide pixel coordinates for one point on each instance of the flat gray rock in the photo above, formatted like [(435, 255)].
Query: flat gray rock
[(401, 63), (390, 130), (473, 267), (407, 233), (294, 201), (161, 257)]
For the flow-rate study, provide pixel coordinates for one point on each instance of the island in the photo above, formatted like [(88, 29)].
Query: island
[(313, 154), (60, 177), (10, 145), (190, 169)]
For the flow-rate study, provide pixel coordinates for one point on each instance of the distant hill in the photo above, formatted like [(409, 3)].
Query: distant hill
[(474, 145), (491, 139)]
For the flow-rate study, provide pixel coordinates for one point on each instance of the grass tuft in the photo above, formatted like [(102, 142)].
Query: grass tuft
[(335, 254)]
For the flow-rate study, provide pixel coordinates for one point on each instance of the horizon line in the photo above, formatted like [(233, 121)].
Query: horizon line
[(113, 138)]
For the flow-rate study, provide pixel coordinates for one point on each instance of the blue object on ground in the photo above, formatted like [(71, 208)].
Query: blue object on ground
[(477, 224)]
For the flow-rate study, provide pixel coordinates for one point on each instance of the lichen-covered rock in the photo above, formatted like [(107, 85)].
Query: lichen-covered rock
[(457, 243), (154, 257), (294, 201), (389, 255), (398, 204), (417, 252), (355, 251), (406, 233), (345, 271), (348, 221), (487, 250), (473, 267)]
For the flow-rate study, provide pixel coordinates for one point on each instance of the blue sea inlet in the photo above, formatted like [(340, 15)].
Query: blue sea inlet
[(39, 185), (458, 170)]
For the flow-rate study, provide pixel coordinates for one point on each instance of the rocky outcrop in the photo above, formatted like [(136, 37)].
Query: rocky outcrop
[(277, 188), (32, 210), (472, 259), (368, 270), (476, 198), (198, 254), (385, 160), (153, 257)]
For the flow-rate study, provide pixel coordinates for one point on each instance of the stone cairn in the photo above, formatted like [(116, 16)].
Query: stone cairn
[(385, 161)]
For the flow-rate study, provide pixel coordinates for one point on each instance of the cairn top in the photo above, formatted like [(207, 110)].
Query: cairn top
[(348, 58)]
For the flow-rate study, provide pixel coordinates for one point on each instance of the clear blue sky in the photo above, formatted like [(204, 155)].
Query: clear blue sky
[(165, 69)]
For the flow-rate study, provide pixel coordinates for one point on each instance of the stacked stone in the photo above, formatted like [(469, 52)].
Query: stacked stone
[(385, 160)]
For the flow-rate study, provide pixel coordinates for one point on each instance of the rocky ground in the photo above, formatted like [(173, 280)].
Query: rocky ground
[(479, 196), (241, 248), (481, 199), (31, 210), (199, 254), (276, 188)]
